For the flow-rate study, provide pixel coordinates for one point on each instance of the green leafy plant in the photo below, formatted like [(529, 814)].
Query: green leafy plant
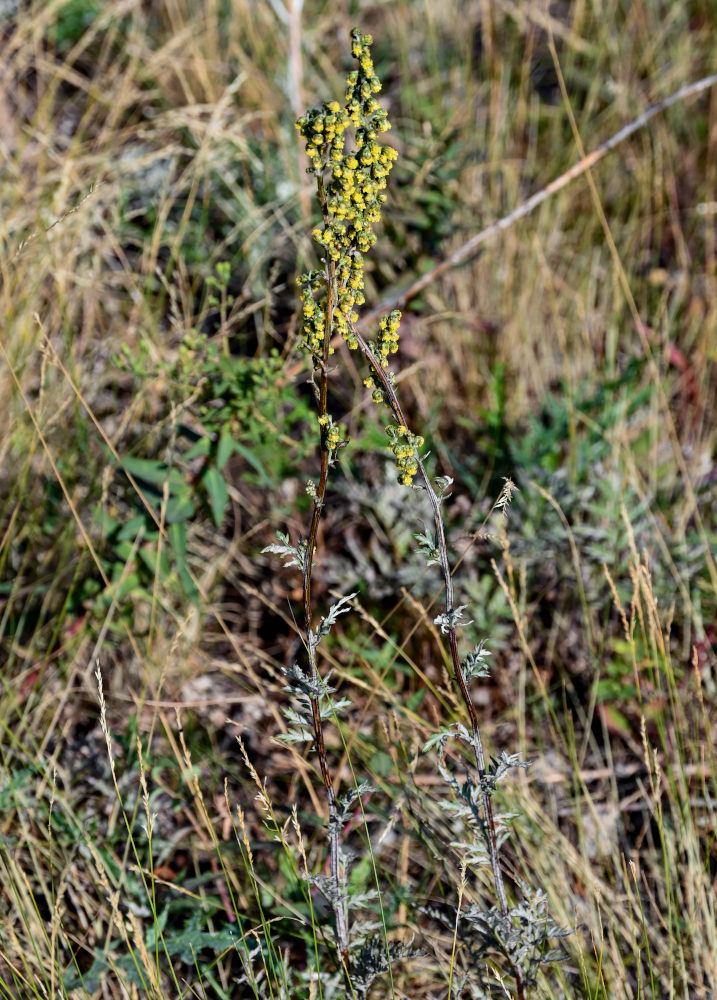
[(224, 409), (73, 19)]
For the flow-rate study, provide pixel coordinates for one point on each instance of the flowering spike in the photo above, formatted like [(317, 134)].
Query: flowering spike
[(355, 179)]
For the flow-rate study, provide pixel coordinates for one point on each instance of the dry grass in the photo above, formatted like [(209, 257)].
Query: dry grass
[(151, 141)]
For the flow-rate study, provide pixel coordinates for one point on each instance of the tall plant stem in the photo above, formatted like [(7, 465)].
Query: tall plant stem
[(321, 378), (489, 818)]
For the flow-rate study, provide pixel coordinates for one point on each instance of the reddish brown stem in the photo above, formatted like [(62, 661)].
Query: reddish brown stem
[(321, 378)]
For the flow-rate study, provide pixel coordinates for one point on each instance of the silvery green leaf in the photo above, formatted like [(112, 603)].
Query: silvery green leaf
[(294, 554), (474, 664), (452, 619), (455, 808), (301, 683), (296, 718), (334, 611), (331, 708), (296, 736), (474, 853), (362, 899), (427, 544), (444, 621), (443, 483), (326, 885), (374, 958), (461, 733), (500, 766), (438, 739), (352, 796)]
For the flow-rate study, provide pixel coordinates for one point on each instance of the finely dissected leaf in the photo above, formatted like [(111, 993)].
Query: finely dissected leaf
[(298, 718), (334, 611), (474, 664), (348, 801), (436, 740), (473, 853), (306, 690), (500, 766), (440, 738), (375, 957), (428, 545), (360, 900), (296, 736), (186, 944), (294, 553), (334, 708), (521, 934), (301, 684), (111, 958), (443, 483), (452, 619)]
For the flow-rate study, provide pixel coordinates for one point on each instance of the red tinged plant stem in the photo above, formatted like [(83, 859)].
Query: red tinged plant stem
[(350, 187), (321, 371)]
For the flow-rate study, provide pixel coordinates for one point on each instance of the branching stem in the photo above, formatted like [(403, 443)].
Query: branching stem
[(350, 186), (379, 373)]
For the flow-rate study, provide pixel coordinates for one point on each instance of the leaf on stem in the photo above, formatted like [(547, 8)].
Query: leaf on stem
[(452, 619), (294, 554), (474, 664)]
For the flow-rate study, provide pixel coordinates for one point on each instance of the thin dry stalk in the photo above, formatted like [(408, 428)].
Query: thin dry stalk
[(583, 166)]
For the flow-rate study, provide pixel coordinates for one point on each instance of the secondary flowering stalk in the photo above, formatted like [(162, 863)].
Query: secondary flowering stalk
[(406, 448), (409, 463)]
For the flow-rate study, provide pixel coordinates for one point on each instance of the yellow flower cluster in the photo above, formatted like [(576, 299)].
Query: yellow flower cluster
[(314, 325), (404, 446), (354, 191), (323, 129), (377, 395), (332, 433), (387, 342)]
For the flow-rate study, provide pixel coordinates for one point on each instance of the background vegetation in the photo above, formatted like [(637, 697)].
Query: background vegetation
[(154, 214)]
